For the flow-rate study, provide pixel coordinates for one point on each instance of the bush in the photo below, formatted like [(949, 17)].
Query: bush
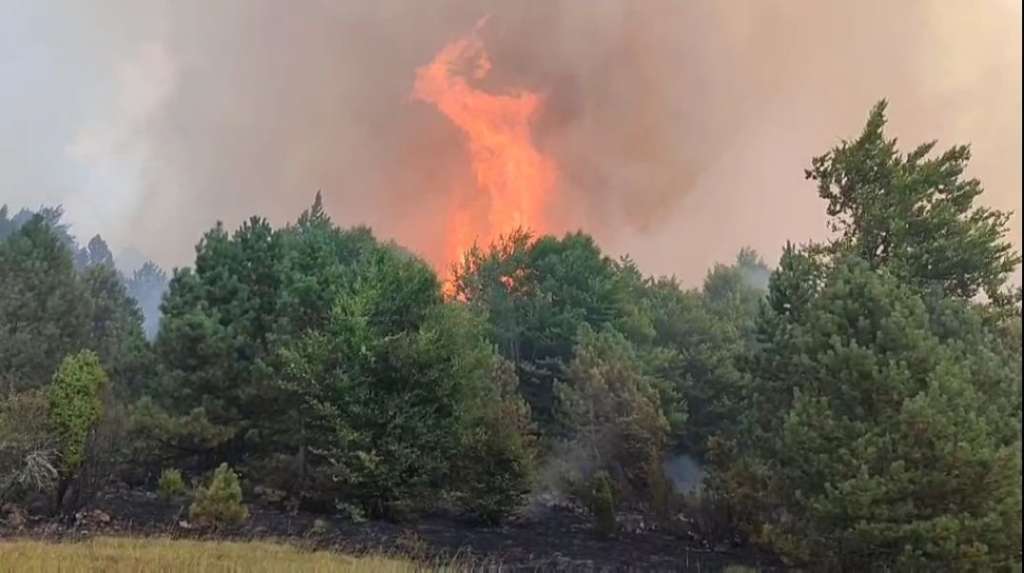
[(612, 410), (75, 411), (171, 485), (602, 505), (663, 498), (394, 416), (220, 503), (495, 466), (351, 512), (192, 440), (26, 450)]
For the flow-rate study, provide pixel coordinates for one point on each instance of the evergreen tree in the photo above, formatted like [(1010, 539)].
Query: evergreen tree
[(613, 410), (881, 439), (537, 293), (7, 225), (251, 295), (115, 329), (48, 310), (882, 425), (218, 333), (44, 308), (94, 254), (147, 286), (912, 213)]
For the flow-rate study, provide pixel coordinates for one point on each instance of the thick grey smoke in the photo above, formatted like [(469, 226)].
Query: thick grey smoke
[(680, 129)]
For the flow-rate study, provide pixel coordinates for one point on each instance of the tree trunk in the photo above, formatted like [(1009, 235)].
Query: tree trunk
[(63, 483)]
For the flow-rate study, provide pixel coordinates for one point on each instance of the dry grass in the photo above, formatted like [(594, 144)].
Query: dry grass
[(110, 554)]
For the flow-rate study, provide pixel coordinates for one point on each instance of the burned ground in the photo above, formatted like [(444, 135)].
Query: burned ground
[(557, 539)]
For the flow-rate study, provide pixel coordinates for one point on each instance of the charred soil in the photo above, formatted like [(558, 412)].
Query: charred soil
[(557, 539)]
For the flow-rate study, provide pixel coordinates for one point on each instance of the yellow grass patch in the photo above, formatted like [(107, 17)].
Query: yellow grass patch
[(110, 554)]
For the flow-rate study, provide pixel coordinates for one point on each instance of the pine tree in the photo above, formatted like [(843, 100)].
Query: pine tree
[(883, 441), (44, 308), (912, 213)]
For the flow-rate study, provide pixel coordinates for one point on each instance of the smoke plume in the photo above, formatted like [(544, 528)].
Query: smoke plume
[(679, 130)]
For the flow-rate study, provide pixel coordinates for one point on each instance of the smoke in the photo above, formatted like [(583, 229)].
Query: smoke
[(680, 129), (686, 474)]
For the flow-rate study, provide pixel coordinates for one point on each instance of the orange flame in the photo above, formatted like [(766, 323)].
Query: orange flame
[(515, 179)]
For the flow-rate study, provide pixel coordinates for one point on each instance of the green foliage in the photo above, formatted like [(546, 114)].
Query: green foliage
[(7, 224), (219, 504), (882, 439), (663, 499), (75, 407), (48, 310), (495, 466), (704, 336), (217, 330), (325, 343), (250, 295), (601, 502), (95, 254), (859, 410), (612, 410), (881, 426), (171, 484), (51, 216), (735, 291), (536, 294), (115, 330), (43, 315), (914, 214), (391, 411), (157, 433)]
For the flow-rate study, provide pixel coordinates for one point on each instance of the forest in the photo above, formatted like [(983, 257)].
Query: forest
[(854, 405)]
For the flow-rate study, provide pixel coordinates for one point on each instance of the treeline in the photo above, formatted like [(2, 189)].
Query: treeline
[(858, 406), (146, 284)]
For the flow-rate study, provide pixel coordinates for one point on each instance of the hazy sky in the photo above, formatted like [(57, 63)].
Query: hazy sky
[(681, 129)]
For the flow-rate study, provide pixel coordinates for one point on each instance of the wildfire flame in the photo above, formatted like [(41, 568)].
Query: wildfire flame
[(514, 180)]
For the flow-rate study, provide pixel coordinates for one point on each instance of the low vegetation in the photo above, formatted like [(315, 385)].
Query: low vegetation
[(219, 504), (858, 406), (171, 485), (117, 555)]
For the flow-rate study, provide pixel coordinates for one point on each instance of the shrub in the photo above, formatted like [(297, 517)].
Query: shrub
[(171, 484), (351, 512), (602, 505), (663, 499), (26, 451), (192, 439), (495, 465), (320, 527), (394, 415), (75, 411), (220, 503), (612, 410)]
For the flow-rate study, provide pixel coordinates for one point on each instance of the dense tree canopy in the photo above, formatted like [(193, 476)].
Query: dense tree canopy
[(537, 292), (858, 407), (334, 350), (873, 414), (50, 309), (883, 420), (43, 304)]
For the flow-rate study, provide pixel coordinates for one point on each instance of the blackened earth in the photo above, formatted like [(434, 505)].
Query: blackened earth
[(554, 540)]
